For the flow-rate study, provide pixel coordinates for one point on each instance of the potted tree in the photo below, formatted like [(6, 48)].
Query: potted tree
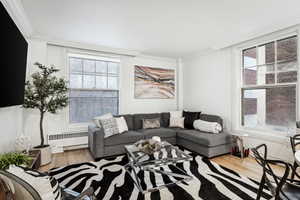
[(47, 93)]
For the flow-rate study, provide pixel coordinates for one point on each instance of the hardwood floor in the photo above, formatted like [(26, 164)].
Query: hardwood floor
[(68, 158), (247, 166)]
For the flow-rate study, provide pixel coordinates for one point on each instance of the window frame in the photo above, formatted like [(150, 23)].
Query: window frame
[(237, 107), (90, 56)]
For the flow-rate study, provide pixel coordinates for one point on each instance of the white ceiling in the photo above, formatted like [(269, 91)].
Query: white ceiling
[(171, 28)]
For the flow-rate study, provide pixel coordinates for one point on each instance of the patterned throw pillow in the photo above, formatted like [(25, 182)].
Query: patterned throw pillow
[(110, 127), (46, 186), (177, 122), (97, 120), (151, 123)]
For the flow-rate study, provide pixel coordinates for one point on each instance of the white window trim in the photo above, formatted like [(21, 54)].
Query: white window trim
[(90, 55), (238, 78)]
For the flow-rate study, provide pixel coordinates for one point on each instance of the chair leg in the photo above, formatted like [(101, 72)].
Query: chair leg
[(294, 171), (261, 187)]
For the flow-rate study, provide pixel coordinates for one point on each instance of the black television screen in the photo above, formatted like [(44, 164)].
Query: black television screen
[(13, 61)]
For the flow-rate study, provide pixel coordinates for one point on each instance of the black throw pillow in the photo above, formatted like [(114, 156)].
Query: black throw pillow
[(189, 118)]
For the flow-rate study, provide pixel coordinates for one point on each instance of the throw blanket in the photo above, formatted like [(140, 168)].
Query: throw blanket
[(211, 127)]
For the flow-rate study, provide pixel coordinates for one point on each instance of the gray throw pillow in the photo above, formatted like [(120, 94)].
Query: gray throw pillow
[(151, 123), (110, 127)]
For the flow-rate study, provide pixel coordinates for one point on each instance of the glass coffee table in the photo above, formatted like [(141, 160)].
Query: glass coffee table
[(159, 163)]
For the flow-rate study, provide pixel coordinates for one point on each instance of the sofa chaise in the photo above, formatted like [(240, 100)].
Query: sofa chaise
[(206, 144)]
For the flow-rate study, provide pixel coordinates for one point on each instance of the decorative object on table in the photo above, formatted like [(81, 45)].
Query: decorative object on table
[(238, 148), (148, 146), (47, 93), (156, 138), (13, 158), (154, 83), (235, 151), (23, 143)]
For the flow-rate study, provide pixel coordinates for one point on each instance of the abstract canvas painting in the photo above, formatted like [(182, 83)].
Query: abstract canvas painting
[(154, 83)]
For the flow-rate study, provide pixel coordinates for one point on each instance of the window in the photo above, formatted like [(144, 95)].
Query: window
[(269, 85), (94, 87)]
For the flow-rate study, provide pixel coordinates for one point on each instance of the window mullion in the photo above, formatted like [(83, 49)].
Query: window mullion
[(257, 59), (107, 75), (82, 73), (275, 64)]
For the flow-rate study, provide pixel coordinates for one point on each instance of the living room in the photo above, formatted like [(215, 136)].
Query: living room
[(201, 90)]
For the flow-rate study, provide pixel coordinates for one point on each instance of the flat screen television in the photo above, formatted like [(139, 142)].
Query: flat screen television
[(13, 61)]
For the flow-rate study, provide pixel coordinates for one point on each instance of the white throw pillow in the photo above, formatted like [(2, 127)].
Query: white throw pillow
[(176, 114), (96, 120), (177, 122), (209, 127), (122, 125)]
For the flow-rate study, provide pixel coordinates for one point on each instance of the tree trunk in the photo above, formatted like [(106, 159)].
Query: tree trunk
[(41, 129)]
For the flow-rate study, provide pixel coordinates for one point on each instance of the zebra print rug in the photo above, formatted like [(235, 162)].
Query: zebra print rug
[(110, 181)]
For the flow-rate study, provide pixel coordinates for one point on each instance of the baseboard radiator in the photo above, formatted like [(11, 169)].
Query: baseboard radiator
[(67, 140)]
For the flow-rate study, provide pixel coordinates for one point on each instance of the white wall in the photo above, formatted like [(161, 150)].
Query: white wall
[(56, 55), (207, 84), (11, 127)]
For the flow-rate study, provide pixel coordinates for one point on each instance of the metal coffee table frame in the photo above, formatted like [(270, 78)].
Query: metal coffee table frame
[(152, 165)]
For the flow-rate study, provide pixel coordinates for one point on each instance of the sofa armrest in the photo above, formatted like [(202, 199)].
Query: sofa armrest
[(96, 141)]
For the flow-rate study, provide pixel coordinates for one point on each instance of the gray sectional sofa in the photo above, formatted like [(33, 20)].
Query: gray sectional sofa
[(206, 144)]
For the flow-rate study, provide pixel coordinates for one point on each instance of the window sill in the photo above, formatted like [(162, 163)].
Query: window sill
[(268, 136), (78, 127)]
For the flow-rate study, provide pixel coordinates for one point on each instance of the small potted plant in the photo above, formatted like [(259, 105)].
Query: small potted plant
[(47, 93), (13, 158)]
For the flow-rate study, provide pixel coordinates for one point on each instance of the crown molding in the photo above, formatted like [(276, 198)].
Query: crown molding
[(160, 58), (17, 13), (86, 46), (268, 30)]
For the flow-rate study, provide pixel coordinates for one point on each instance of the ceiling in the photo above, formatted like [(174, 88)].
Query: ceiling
[(171, 28)]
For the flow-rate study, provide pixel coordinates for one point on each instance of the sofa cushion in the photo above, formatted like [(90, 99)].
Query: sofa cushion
[(151, 123), (124, 138), (129, 121), (138, 119), (189, 118), (165, 119), (205, 139), (161, 132)]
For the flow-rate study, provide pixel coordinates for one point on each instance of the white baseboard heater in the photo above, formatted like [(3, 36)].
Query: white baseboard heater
[(67, 140)]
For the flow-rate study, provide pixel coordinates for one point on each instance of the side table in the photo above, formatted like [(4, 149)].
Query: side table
[(240, 141)]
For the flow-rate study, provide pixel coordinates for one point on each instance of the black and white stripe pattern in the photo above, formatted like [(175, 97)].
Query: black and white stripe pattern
[(110, 181)]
